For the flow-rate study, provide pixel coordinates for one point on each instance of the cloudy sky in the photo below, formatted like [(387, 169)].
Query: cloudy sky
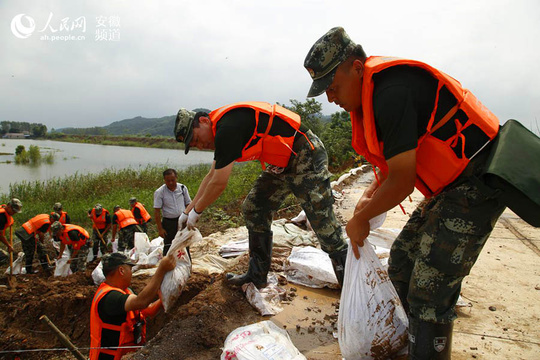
[(145, 58)]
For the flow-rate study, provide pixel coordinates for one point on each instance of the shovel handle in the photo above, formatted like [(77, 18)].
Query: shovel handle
[(11, 252)]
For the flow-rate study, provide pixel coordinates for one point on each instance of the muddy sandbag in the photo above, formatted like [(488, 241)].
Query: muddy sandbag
[(176, 279), (372, 323), (260, 341)]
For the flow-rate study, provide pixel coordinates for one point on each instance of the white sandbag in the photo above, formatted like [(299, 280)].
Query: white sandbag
[(377, 221), (311, 267), (266, 300), (260, 341), (97, 274), (174, 280), (142, 243), (372, 323), (62, 265), (154, 257), (301, 219), (156, 243), (18, 265)]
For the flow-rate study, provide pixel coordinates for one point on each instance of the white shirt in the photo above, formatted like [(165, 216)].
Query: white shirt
[(171, 203)]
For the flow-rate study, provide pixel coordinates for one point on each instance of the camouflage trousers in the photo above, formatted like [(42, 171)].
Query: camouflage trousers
[(126, 238), (439, 245), (78, 263), (97, 244), (307, 177), (30, 246)]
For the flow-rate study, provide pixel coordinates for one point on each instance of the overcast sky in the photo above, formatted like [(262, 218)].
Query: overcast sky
[(149, 58)]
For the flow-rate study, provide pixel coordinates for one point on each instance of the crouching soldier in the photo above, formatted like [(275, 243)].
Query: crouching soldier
[(117, 315), (78, 241), (32, 235)]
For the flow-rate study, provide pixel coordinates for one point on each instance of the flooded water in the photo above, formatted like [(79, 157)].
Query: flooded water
[(71, 158)]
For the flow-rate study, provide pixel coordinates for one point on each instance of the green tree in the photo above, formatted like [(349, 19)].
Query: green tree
[(19, 150), (39, 130), (310, 112), (337, 138)]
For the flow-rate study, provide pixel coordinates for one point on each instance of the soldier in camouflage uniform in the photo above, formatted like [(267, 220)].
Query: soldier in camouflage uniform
[(445, 234), (303, 172), (77, 239), (124, 220)]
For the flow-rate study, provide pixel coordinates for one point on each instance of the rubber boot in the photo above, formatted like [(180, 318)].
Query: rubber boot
[(260, 258), (429, 341), (338, 262)]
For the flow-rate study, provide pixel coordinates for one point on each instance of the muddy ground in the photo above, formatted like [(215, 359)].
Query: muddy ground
[(501, 321)]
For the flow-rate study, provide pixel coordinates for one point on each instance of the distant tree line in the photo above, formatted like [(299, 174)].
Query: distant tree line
[(33, 129), (96, 130)]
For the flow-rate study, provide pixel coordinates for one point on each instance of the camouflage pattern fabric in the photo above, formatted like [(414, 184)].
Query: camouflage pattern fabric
[(97, 244), (126, 238), (439, 245), (79, 262), (30, 246), (307, 177)]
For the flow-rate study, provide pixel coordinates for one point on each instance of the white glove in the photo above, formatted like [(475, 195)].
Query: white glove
[(182, 221), (192, 219)]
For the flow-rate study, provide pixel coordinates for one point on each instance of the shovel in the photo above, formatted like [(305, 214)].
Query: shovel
[(11, 280)]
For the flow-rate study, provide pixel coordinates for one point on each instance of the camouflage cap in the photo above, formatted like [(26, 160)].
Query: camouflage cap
[(57, 206), (15, 205), (132, 200), (56, 227), (325, 56), (114, 260), (98, 209), (116, 208), (183, 128)]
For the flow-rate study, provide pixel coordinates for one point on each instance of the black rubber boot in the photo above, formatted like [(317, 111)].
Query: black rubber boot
[(338, 262), (429, 341), (260, 258)]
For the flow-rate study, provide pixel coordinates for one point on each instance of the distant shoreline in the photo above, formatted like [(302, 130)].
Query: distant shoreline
[(119, 140)]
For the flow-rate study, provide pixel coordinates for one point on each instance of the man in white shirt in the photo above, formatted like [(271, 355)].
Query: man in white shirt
[(170, 201)]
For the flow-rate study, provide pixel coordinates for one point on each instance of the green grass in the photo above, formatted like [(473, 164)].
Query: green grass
[(78, 193)]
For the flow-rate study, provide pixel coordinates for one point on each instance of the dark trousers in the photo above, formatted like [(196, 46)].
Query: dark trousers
[(171, 227)]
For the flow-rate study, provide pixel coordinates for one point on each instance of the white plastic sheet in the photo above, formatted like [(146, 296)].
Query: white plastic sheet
[(260, 341), (372, 323), (18, 265), (62, 265), (311, 267), (97, 274), (174, 280), (266, 300)]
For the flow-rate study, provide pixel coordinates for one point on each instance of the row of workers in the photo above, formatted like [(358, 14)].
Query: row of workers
[(58, 223)]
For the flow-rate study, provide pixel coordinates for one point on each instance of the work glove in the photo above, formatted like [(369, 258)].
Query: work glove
[(182, 221), (192, 219)]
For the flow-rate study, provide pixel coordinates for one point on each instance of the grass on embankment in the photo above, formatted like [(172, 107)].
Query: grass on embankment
[(78, 193)]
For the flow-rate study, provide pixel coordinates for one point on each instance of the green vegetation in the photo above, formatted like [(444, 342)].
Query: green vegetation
[(33, 156), (79, 193)]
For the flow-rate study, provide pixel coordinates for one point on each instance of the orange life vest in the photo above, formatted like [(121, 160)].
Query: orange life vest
[(126, 338), (125, 218), (145, 216), (100, 220), (272, 149), (62, 216), (32, 225), (436, 162), (9, 218), (64, 237)]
